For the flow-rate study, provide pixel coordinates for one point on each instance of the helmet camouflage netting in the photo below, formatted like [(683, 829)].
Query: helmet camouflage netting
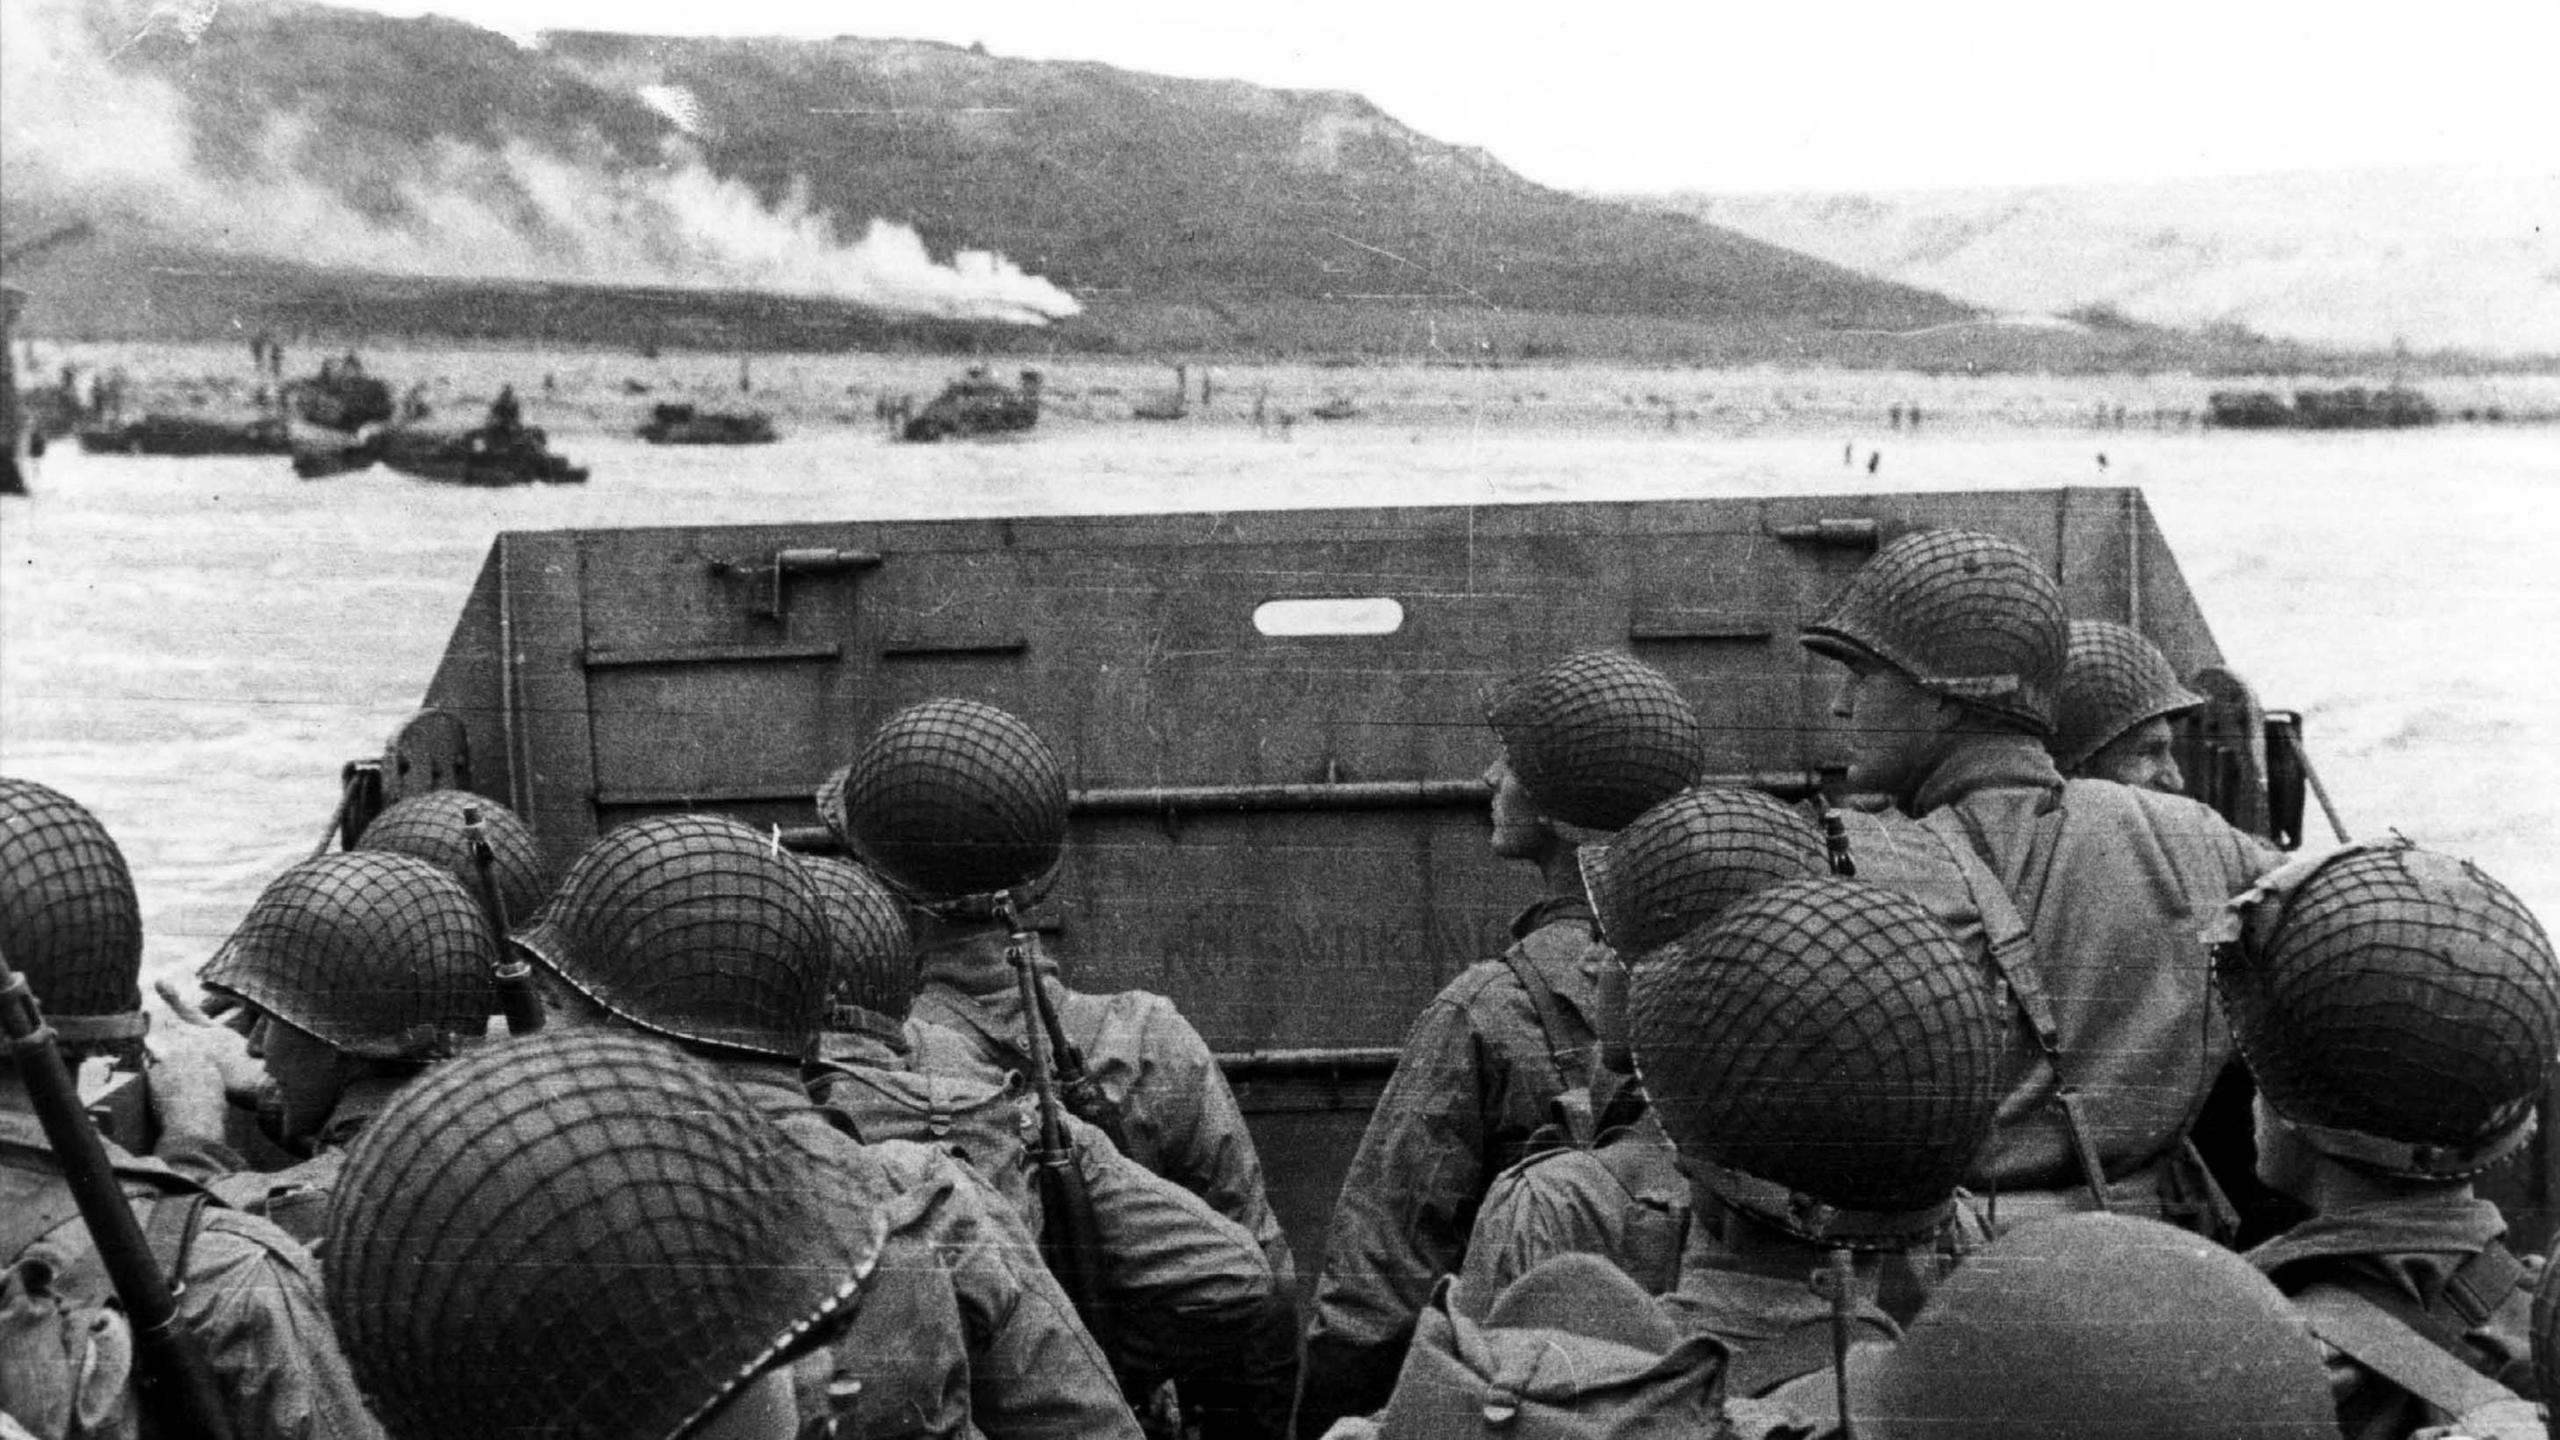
[(582, 1234), (1680, 864), (69, 919), (1597, 737), (2397, 995), (874, 950), (950, 799), (696, 927), (429, 826), (2114, 680), (1825, 1035), (380, 955), (1966, 615)]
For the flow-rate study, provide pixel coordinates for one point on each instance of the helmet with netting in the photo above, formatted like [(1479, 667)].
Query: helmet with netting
[(2100, 1326), (2114, 679), (1826, 1055), (1680, 864), (951, 799), (2398, 1007), (379, 955), (579, 1234), (1965, 615), (1597, 737), (69, 920), (696, 927), (429, 826), (874, 949)]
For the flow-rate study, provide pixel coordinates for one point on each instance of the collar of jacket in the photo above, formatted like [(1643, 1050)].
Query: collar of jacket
[(975, 965), (1987, 762), (358, 1103), (2449, 1221), (1554, 910)]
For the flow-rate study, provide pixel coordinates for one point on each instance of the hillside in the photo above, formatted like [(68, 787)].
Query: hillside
[(2434, 259)]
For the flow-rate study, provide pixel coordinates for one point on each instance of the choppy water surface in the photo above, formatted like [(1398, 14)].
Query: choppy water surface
[(194, 647)]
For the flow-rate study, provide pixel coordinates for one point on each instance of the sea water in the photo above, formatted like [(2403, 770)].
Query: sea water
[(193, 648)]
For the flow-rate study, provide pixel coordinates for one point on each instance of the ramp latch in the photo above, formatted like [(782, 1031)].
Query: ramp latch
[(782, 565)]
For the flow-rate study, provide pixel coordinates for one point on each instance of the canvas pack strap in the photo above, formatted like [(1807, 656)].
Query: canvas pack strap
[(2013, 959), (2383, 1343), (1572, 1057)]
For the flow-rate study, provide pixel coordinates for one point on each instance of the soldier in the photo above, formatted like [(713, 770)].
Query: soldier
[(1674, 869), (431, 827), (962, 806), (697, 929), (953, 801), (1826, 1060), (2112, 715), (2087, 1327), (359, 970), (1588, 743), (70, 925), (589, 1235), (2401, 1012), (2086, 896)]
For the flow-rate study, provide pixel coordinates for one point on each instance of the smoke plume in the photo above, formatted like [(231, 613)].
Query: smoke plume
[(82, 132)]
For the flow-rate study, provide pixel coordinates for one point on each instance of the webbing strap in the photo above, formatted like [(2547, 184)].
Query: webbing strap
[(2384, 1344), (2013, 959), (1570, 1059)]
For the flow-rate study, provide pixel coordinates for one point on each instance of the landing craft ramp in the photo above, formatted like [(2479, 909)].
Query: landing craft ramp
[(1282, 830)]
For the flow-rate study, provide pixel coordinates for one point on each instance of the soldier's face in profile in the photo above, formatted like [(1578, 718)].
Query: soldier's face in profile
[(2144, 757), (1892, 727), (1519, 831), (306, 1073)]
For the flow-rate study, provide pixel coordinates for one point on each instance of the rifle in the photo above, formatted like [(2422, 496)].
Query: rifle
[(1071, 1241), (521, 1002), (1082, 1094), (178, 1388)]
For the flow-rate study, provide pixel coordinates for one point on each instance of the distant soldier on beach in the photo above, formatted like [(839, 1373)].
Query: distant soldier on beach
[(2085, 896), (1587, 744)]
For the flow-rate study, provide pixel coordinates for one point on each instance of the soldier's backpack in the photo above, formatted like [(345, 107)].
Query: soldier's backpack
[(66, 1349), (989, 1124), (1572, 1350)]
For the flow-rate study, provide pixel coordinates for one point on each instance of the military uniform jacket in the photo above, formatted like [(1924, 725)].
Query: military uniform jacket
[(296, 1198), (250, 1294), (2440, 1262), (1480, 1068), (1179, 1115), (2115, 885)]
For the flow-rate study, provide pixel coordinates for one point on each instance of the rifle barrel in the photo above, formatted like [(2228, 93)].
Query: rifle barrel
[(178, 1385)]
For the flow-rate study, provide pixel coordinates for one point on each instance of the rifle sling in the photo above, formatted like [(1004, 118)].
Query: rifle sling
[(2384, 1343)]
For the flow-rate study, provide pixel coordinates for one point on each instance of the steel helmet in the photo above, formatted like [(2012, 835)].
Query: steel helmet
[(1680, 864), (2100, 1327), (2398, 1007), (379, 955), (429, 826), (1826, 1055), (874, 949), (2113, 680), (1965, 615), (581, 1234), (951, 799), (69, 920), (1597, 737), (696, 927)]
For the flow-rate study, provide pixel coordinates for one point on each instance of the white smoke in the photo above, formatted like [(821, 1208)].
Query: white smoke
[(80, 132)]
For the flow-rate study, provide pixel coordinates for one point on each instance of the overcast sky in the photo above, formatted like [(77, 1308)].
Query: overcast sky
[(1849, 94)]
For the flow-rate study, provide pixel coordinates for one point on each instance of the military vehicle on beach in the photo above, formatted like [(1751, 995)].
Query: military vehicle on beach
[(1273, 721), (680, 423), (975, 405)]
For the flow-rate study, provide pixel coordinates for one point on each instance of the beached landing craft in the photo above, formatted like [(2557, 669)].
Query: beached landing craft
[(1273, 720), (677, 423), (977, 405)]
